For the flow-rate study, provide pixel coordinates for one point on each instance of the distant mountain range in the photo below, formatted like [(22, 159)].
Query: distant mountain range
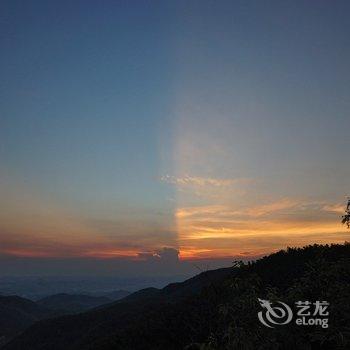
[(65, 304), (116, 295), (17, 313), (214, 310), (70, 304), (39, 287)]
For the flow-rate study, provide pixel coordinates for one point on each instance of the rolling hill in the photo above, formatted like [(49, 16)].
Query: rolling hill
[(16, 314), (214, 310), (72, 303)]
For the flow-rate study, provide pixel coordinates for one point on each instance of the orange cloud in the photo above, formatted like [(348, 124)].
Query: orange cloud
[(335, 208), (200, 181), (207, 187), (221, 230)]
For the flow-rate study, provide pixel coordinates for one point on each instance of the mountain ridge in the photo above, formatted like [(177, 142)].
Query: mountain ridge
[(200, 312)]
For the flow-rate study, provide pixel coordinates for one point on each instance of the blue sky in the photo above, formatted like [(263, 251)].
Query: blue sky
[(127, 127)]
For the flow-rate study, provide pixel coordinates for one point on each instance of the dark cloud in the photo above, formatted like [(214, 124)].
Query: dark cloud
[(168, 254), (165, 255)]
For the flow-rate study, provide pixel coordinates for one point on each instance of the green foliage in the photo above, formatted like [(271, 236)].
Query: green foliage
[(312, 273), (346, 216)]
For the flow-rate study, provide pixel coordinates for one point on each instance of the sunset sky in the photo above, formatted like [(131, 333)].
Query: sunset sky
[(215, 128)]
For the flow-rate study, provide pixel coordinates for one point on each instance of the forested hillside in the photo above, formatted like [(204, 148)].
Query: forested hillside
[(216, 309)]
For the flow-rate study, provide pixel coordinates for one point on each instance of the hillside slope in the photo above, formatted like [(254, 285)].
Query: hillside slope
[(215, 310), (72, 303), (16, 314)]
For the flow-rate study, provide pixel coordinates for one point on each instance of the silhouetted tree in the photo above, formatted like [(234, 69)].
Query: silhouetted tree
[(346, 217)]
